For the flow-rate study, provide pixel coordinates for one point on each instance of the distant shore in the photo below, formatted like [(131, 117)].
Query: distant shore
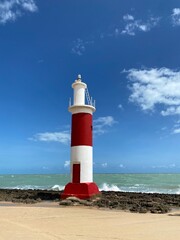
[(127, 201)]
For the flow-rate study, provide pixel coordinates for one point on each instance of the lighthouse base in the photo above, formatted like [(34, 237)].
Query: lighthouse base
[(80, 190)]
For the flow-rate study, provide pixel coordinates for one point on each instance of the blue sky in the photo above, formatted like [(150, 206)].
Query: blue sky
[(128, 53)]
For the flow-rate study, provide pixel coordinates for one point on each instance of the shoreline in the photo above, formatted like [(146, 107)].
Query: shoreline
[(126, 201)]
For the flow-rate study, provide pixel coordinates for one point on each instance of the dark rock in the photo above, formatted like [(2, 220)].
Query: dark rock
[(76, 200), (143, 210), (66, 202), (134, 202), (160, 209)]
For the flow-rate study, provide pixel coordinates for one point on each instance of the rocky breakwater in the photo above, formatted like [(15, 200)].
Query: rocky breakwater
[(134, 202), (127, 201), (28, 196)]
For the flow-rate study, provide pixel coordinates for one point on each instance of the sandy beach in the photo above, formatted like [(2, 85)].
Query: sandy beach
[(51, 221)]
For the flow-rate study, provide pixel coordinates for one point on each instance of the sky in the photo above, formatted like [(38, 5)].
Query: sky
[(127, 52)]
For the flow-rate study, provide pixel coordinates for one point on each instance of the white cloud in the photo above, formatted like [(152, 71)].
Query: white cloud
[(101, 126), (178, 122), (152, 87), (29, 5), (116, 32), (176, 17), (173, 165), (176, 131), (108, 121), (45, 168), (104, 165), (132, 25), (120, 106), (62, 137), (102, 123), (128, 17), (176, 128), (67, 164), (171, 111), (121, 166), (11, 9), (79, 46)]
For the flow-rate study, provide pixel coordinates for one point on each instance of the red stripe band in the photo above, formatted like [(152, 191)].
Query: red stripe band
[(81, 130)]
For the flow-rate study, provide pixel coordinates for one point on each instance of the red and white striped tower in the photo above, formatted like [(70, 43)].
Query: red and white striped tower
[(81, 185)]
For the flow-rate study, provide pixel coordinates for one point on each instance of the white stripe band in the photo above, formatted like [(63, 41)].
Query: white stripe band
[(83, 155)]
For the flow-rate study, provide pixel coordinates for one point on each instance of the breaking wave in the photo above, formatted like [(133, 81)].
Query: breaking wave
[(32, 187), (57, 188), (109, 187), (138, 188)]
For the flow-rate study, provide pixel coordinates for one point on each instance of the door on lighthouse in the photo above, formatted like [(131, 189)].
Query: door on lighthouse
[(76, 173)]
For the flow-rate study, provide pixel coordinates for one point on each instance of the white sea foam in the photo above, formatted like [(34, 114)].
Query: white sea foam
[(178, 191), (35, 187), (57, 188), (109, 187), (26, 187)]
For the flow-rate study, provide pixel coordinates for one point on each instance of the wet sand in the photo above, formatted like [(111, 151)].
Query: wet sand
[(48, 220)]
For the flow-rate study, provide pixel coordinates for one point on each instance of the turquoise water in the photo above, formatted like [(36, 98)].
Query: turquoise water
[(149, 183)]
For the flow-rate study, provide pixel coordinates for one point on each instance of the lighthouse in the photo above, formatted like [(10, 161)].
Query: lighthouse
[(81, 185)]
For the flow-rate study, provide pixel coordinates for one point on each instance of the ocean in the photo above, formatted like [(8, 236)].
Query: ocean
[(146, 183)]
